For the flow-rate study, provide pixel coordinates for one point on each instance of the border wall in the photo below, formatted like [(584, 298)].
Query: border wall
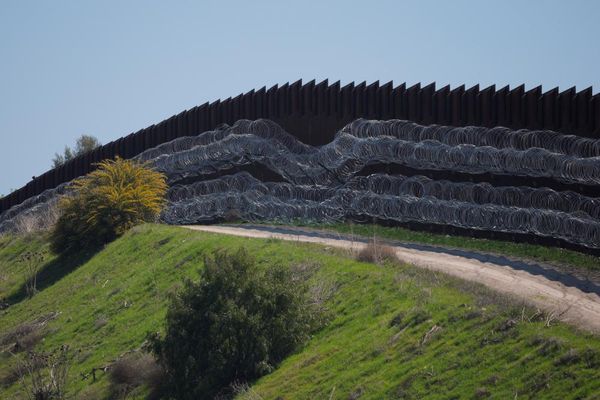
[(314, 112)]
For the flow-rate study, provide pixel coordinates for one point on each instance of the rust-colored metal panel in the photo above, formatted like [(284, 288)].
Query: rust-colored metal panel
[(549, 109), (85, 164), (138, 142), (72, 168), (160, 132), (306, 98), (426, 103), (193, 120), (516, 107), (226, 111), (532, 113), (471, 104), (400, 105), (414, 111), (319, 105), (566, 103), (385, 101), (174, 127), (127, 146), (248, 106), (180, 129), (595, 117), (38, 183), (272, 109), (260, 103), (185, 124), (20, 195), (94, 154), (360, 97), (334, 99), (150, 139), (582, 111), (284, 100), (485, 105), (68, 170), (214, 114), (441, 108), (170, 129), (28, 190), (236, 108), (167, 133), (203, 118), (120, 148), (371, 110), (59, 177), (295, 106), (347, 103), (501, 107), (457, 114), (48, 179)]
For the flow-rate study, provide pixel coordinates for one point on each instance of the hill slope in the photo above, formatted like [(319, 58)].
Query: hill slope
[(396, 331)]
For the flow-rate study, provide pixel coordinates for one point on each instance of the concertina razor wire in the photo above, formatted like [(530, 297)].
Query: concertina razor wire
[(323, 183)]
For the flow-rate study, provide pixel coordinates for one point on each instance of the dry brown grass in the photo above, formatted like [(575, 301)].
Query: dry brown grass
[(132, 371), (243, 391), (15, 372), (377, 253), (25, 336), (32, 262), (232, 215)]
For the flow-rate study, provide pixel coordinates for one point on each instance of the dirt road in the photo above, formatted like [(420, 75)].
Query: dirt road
[(565, 299)]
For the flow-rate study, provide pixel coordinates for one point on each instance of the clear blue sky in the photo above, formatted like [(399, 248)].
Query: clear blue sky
[(108, 68)]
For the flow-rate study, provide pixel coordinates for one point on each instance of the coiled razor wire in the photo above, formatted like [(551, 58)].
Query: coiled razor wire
[(339, 160), (416, 186), (37, 206), (262, 128), (265, 202), (321, 182), (498, 137)]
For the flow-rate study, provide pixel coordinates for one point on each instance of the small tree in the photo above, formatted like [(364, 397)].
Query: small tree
[(106, 203), (32, 262), (234, 325), (44, 375), (84, 144)]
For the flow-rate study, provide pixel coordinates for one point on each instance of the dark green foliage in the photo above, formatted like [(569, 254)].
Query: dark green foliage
[(84, 144), (234, 325)]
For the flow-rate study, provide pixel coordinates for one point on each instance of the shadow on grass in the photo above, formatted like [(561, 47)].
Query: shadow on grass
[(53, 271)]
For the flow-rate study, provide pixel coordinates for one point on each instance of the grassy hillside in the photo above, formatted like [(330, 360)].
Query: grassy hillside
[(569, 260), (395, 332)]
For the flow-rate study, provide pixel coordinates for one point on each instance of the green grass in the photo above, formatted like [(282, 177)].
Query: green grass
[(373, 345), (558, 257)]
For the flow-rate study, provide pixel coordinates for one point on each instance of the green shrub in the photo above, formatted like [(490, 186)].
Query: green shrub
[(234, 325), (106, 203), (84, 144)]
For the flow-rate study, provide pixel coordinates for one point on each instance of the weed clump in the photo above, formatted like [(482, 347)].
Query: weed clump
[(132, 371), (44, 375), (234, 325), (32, 262), (376, 253), (106, 203)]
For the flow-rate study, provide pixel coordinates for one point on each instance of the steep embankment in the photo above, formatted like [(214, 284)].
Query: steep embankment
[(570, 300), (396, 331)]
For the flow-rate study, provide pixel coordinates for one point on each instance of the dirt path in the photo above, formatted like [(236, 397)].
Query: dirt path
[(568, 303)]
